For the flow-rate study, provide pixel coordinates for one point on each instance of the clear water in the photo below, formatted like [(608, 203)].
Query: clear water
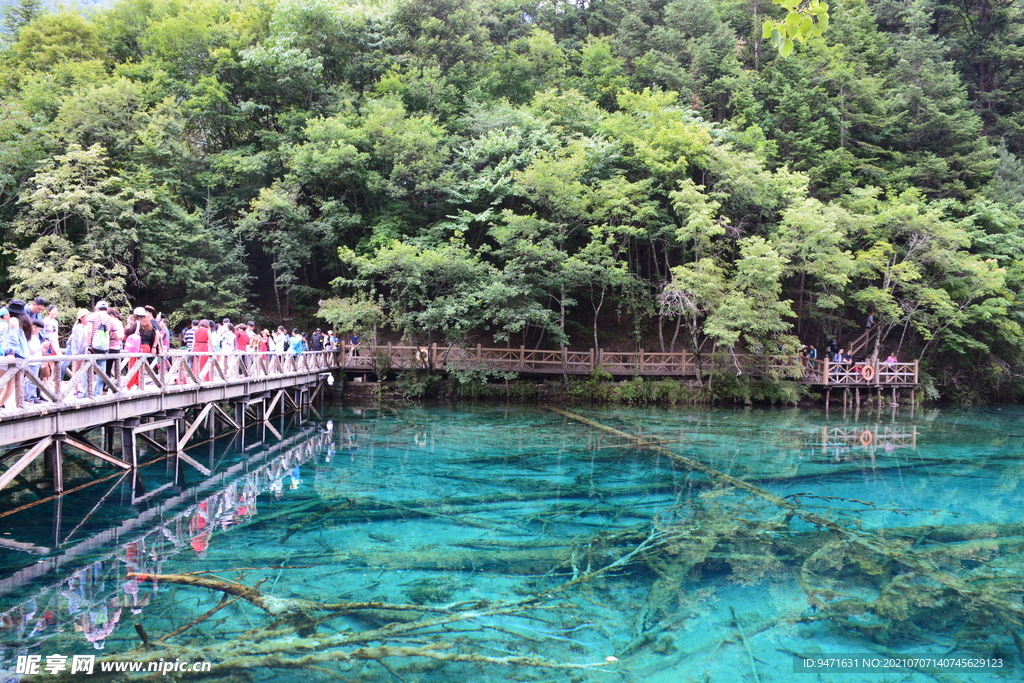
[(482, 515)]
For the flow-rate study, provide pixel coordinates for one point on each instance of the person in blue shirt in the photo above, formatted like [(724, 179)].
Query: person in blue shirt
[(353, 352), (296, 344)]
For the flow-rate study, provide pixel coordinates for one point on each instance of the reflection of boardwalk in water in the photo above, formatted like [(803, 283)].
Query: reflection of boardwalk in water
[(870, 438), (93, 596)]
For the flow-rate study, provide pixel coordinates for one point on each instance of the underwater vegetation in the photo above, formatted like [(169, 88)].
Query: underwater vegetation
[(590, 580)]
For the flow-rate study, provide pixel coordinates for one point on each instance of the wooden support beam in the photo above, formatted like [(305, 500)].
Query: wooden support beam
[(77, 441), (151, 441), (24, 461), (187, 436), (224, 416), (154, 425), (273, 404)]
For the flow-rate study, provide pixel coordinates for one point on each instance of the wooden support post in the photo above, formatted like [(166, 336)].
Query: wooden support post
[(856, 391), (175, 430), (592, 365), (894, 401), (640, 362), (107, 442), (828, 395), (129, 449), (240, 414), (522, 358), (433, 356), (211, 423), (54, 462)]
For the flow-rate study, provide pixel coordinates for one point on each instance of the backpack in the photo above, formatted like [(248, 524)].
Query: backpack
[(133, 343), (101, 339)]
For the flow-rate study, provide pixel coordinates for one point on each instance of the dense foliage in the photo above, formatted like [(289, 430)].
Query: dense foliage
[(533, 172)]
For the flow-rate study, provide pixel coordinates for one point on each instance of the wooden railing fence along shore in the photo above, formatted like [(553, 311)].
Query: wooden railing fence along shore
[(624, 363)]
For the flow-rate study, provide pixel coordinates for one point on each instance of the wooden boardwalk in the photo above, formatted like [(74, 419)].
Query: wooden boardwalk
[(177, 395)]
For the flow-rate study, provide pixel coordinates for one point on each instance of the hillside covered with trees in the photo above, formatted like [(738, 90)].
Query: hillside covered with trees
[(537, 173)]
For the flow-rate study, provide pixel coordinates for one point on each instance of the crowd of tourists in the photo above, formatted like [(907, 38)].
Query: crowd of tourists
[(32, 331)]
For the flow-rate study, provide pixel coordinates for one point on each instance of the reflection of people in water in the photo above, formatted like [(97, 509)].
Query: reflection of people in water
[(350, 438), (198, 527), (94, 598), (97, 624)]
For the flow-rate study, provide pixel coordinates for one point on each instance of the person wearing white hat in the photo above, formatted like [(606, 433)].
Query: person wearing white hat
[(148, 340)]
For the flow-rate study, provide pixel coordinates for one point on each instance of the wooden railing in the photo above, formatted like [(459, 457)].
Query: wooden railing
[(118, 375), (556, 362), (829, 373)]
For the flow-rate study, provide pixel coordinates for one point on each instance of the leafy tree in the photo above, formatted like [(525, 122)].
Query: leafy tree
[(76, 198)]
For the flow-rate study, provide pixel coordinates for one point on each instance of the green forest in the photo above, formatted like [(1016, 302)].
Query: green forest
[(615, 173)]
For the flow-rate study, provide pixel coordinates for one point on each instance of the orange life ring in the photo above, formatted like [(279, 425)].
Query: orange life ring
[(865, 437), (868, 373)]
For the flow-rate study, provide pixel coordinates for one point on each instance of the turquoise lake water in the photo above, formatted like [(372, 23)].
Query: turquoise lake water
[(570, 552)]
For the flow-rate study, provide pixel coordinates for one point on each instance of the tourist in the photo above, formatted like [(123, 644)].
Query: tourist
[(145, 337), (354, 351), (263, 343), (201, 344), (5, 323), (317, 341), (50, 326), (296, 344), (16, 343), (102, 330), (331, 343), (36, 308), (40, 372), (116, 344), (838, 360), (280, 340), (188, 335), (77, 347), (890, 360), (242, 340), (165, 333)]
